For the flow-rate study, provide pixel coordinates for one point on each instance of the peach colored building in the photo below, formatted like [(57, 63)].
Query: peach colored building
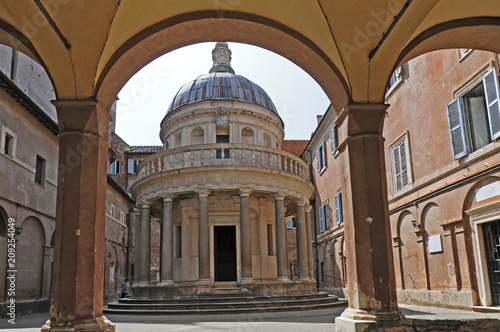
[(442, 182)]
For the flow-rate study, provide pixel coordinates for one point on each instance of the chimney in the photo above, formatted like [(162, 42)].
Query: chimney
[(318, 118)]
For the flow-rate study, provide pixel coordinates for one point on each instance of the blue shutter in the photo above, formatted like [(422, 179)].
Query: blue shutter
[(338, 208), (318, 160), (490, 82), (457, 129), (321, 219), (327, 216)]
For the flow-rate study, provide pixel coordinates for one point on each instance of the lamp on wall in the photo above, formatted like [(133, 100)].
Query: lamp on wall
[(19, 230), (414, 223)]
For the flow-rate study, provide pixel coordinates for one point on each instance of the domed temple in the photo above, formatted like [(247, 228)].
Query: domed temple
[(222, 188)]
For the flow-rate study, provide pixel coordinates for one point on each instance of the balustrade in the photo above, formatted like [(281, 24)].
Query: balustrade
[(222, 155)]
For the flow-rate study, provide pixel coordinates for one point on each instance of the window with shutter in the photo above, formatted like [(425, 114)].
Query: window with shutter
[(321, 219), (334, 139), (338, 209), (320, 157), (327, 215), (400, 162), (131, 166), (457, 129), (474, 117), (490, 82)]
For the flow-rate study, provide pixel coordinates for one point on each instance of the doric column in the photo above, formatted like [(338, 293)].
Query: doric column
[(78, 270), (203, 237), (281, 247), (145, 262), (167, 239), (310, 257), (137, 245), (302, 240), (246, 239), (370, 270)]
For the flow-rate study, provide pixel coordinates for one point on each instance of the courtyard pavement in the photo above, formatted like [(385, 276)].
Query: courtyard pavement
[(300, 321)]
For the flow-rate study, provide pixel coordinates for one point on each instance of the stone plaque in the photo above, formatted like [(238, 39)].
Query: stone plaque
[(222, 117), (435, 244)]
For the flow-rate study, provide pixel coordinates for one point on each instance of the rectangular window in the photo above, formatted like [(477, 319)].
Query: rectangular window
[(8, 143), (131, 166), (334, 139), (222, 139), (112, 211), (339, 218), (122, 217), (291, 223), (114, 168), (178, 241), (40, 170), (474, 117), (320, 158), (395, 79), (270, 246), (400, 164), (324, 217), (322, 268)]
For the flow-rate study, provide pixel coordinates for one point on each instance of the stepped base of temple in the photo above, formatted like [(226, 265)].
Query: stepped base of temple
[(223, 301)]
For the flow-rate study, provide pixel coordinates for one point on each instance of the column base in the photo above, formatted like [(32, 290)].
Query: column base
[(203, 282), (355, 320), (99, 324), (166, 283), (283, 279), (247, 280)]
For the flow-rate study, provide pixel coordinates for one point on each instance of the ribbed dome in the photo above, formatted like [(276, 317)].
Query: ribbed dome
[(221, 86)]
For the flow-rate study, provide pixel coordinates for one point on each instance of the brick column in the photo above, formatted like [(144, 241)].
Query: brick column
[(78, 270), (281, 247), (370, 270), (167, 239), (246, 239)]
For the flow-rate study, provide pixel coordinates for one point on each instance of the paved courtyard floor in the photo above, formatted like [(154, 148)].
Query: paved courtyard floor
[(300, 321)]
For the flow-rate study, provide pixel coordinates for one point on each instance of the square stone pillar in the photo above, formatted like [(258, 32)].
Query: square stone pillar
[(78, 270), (281, 245), (370, 270), (246, 240), (301, 232), (137, 244), (145, 253), (167, 240), (203, 238), (310, 256)]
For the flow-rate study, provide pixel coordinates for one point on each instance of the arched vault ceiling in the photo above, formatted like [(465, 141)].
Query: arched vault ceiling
[(79, 42)]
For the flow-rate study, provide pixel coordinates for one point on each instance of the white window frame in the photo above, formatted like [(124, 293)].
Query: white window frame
[(113, 168), (456, 113), (324, 217), (7, 131), (339, 217), (397, 75), (404, 139), (334, 139)]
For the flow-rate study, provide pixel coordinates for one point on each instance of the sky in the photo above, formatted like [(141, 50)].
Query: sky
[(144, 100)]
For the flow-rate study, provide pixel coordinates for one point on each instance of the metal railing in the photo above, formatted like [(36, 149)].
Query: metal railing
[(230, 154)]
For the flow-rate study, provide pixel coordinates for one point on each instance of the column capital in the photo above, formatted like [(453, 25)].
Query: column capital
[(308, 208), (363, 118), (203, 193), (279, 196), (169, 198), (300, 202), (245, 192), (145, 205), (82, 115)]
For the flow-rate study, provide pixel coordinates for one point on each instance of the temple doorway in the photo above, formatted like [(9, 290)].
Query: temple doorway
[(225, 253)]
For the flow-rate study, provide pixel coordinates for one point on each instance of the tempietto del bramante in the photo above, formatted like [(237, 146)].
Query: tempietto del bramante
[(221, 189)]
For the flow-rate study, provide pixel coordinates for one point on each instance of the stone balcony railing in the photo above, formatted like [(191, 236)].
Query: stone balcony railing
[(226, 155)]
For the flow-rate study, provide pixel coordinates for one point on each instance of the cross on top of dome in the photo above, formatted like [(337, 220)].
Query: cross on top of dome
[(221, 55)]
